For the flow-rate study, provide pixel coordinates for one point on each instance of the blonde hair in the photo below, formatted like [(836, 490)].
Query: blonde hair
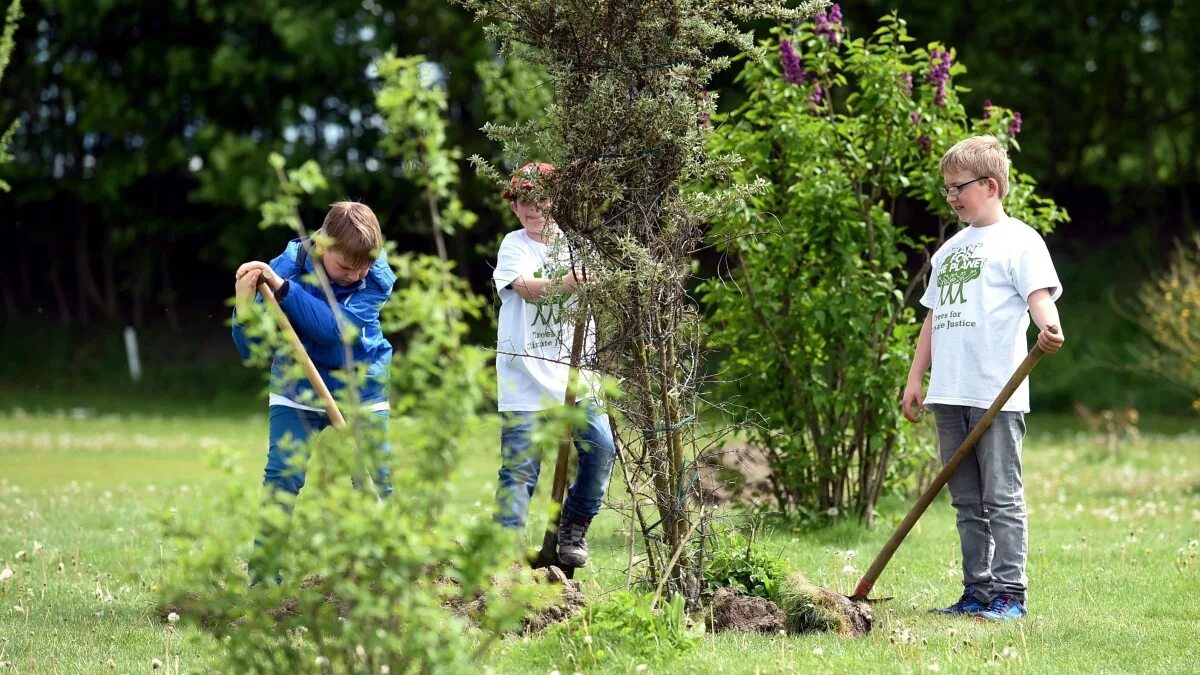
[(355, 232), (982, 156)]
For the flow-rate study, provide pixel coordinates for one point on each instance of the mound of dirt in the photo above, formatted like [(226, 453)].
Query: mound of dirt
[(733, 611), (572, 600), (811, 608)]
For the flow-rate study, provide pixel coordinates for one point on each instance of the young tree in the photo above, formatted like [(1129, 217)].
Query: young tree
[(626, 131)]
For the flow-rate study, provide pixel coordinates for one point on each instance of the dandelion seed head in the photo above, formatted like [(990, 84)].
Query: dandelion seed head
[(172, 618)]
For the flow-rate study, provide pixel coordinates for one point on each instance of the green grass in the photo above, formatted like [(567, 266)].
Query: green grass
[(1113, 572)]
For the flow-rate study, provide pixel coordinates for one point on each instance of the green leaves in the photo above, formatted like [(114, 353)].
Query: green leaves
[(6, 47), (815, 315)]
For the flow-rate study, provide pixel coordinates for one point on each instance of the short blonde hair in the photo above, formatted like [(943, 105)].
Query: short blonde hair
[(355, 232), (982, 156)]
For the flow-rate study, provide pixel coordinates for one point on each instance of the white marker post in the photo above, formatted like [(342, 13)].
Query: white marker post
[(131, 354)]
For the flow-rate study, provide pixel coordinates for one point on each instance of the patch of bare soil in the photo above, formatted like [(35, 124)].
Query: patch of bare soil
[(730, 610)]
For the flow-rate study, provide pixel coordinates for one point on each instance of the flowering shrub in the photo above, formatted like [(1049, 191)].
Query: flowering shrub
[(815, 314)]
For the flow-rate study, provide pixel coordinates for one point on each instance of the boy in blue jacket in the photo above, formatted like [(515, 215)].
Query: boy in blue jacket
[(361, 280)]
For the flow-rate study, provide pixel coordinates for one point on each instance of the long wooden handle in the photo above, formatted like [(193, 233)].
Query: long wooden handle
[(564, 444), (968, 444), (301, 355)]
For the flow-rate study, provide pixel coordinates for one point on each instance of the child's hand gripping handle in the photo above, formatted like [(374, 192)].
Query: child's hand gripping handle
[(968, 444), (301, 356)]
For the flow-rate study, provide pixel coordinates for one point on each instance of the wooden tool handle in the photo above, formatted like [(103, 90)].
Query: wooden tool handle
[(564, 444), (301, 355), (968, 444)]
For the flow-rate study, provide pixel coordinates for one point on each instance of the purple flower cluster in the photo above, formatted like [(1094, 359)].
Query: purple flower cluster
[(818, 94), (987, 108), (925, 143), (829, 26), (908, 83), (1014, 127), (915, 117), (793, 69), (939, 73)]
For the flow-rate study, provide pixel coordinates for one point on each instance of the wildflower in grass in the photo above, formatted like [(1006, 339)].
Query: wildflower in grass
[(172, 618), (6, 574), (818, 651), (934, 668), (37, 548), (20, 554), (155, 664)]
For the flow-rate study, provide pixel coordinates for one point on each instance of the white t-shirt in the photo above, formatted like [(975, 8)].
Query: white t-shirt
[(533, 344), (978, 292)]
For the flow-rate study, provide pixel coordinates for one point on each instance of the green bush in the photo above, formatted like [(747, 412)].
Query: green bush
[(624, 625), (815, 313), (367, 582), (743, 563)]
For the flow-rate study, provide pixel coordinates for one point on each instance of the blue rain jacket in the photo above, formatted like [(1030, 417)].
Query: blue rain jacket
[(317, 327)]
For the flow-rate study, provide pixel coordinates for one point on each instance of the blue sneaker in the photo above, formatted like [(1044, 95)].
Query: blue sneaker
[(967, 604), (1004, 607)]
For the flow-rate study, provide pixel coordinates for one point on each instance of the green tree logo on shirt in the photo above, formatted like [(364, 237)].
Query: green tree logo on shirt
[(959, 268), (549, 311)]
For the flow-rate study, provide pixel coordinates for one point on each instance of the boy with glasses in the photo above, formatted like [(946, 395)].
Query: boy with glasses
[(985, 283)]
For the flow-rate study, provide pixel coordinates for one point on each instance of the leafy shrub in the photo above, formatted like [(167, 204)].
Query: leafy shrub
[(626, 624), (1170, 317), (739, 561), (367, 583), (815, 315)]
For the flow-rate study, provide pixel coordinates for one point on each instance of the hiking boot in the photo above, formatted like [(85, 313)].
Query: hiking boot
[(967, 604), (1004, 607), (572, 546)]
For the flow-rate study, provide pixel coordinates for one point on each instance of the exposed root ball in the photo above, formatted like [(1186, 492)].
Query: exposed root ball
[(733, 611), (810, 608)]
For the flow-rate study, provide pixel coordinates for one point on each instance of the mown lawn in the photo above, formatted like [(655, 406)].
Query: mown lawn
[(1114, 560)]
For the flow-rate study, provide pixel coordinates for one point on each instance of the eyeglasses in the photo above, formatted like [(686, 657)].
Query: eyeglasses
[(953, 190)]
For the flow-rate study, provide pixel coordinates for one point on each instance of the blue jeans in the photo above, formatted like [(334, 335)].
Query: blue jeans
[(520, 464), (989, 496), (289, 432)]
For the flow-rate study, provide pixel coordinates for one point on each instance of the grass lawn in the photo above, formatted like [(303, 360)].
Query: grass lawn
[(1114, 563)]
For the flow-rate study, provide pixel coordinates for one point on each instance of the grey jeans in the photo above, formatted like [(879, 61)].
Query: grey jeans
[(987, 491)]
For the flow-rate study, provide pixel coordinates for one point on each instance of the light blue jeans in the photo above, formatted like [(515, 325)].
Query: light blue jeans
[(989, 496), (520, 464)]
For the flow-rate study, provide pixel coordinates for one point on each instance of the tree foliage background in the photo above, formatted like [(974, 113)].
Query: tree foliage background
[(140, 156)]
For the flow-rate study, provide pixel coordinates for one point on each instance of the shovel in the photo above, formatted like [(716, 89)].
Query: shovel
[(310, 369), (548, 555), (885, 555)]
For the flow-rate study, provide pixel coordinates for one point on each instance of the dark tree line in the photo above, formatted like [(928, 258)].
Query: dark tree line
[(145, 127)]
